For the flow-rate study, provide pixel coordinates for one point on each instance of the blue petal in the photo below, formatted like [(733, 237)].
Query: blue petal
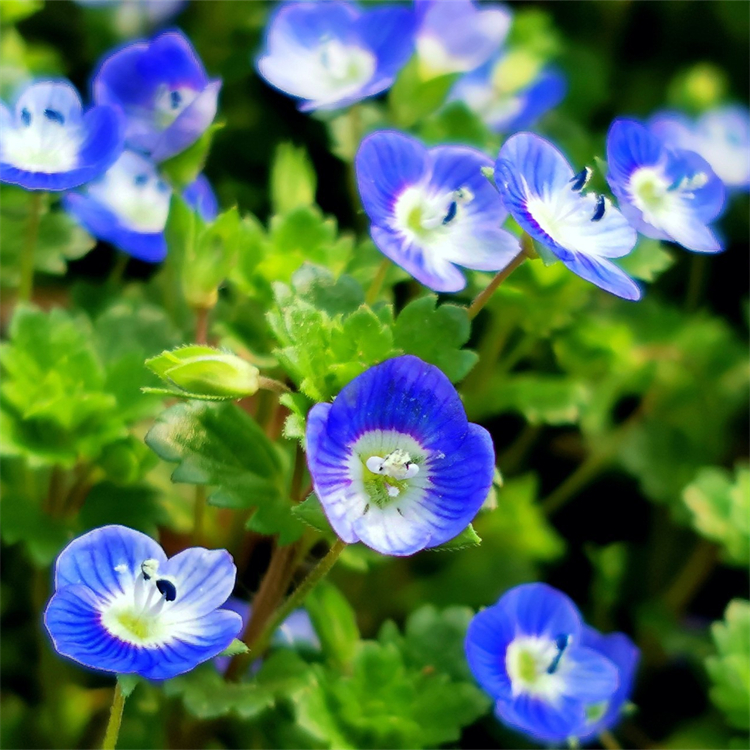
[(105, 225), (605, 274), (104, 141), (548, 722), (707, 201), (105, 559), (199, 195), (51, 94), (629, 146), (386, 163), (589, 675), (306, 24), (204, 579), (544, 94)]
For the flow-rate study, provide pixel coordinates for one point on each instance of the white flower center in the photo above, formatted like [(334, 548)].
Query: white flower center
[(536, 665), (423, 217), (655, 195), (171, 102), (397, 465)]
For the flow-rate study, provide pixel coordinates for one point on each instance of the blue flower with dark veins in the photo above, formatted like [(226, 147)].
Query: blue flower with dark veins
[(332, 54), (458, 36), (530, 652), (666, 193), (47, 141), (721, 136), (394, 461), (162, 87), (128, 206), (547, 199), (432, 209), (121, 606)]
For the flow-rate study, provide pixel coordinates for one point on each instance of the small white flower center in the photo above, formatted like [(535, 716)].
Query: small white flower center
[(534, 665), (171, 102), (655, 195), (422, 216), (397, 465)]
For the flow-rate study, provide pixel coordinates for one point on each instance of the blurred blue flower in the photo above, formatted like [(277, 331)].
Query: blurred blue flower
[(458, 36), (529, 653), (121, 606), (665, 193), (721, 136), (332, 54), (137, 16), (128, 206), (164, 91), (546, 198), (394, 461), (432, 209), (47, 142), (296, 631), (505, 105)]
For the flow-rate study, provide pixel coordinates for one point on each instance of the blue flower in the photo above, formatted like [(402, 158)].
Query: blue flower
[(721, 136), (330, 55), (546, 198), (47, 141), (529, 653), (432, 209), (121, 606), (458, 36), (505, 105), (394, 461), (129, 205), (666, 194), (164, 91)]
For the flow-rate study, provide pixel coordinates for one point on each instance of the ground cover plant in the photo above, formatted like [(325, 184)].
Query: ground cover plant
[(374, 375)]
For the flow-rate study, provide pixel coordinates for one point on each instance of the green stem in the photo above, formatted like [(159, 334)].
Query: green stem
[(693, 575), (117, 273), (377, 282), (269, 384), (608, 740), (115, 718), (569, 488), (696, 280), (26, 284), (199, 513)]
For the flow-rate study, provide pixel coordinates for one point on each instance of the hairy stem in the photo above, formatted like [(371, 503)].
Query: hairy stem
[(115, 719), (26, 283)]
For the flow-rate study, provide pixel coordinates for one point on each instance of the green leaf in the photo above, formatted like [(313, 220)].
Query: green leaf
[(414, 95), (293, 179), (720, 508), (456, 123), (219, 445), (334, 622), (13, 11), (729, 670), (182, 169), (311, 512), (647, 261), (467, 538), (436, 335), (127, 683), (277, 519), (320, 288), (295, 424), (235, 648)]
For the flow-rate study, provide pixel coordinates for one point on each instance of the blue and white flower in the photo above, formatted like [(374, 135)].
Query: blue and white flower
[(529, 653), (330, 55), (721, 136), (432, 209), (666, 194), (121, 606), (162, 87), (458, 36), (394, 461), (547, 199), (506, 103), (128, 206), (47, 141)]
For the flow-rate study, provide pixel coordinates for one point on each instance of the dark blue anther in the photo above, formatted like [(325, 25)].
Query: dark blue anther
[(162, 186), (599, 210), (167, 588), (176, 99), (54, 115), (452, 210), (561, 642), (578, 183), (26, 117), (140, 179)]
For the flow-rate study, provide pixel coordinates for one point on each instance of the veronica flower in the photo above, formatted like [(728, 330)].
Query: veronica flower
[(458, 36), (529, 653), (164, 91), (128, 206), (394, 461), (721, 136), (432, 209), (505, 105), (121, 606), (666, 194), (332, 54), (547, 199), (47, 141)]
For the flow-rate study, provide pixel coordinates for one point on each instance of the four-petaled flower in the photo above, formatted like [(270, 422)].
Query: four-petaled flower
[(666, 194), (164, 91), (49, 143), (332, 54), (431, 209), (394, 461), (458, 36), (129, 204), (121, 606), (552, 677), (721, 136), (546, 198)]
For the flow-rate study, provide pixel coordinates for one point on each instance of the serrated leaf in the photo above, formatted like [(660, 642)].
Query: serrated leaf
[(436, 335), (127, 683), (235, 648), (311, 512), (295, 424), (467, 538)]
